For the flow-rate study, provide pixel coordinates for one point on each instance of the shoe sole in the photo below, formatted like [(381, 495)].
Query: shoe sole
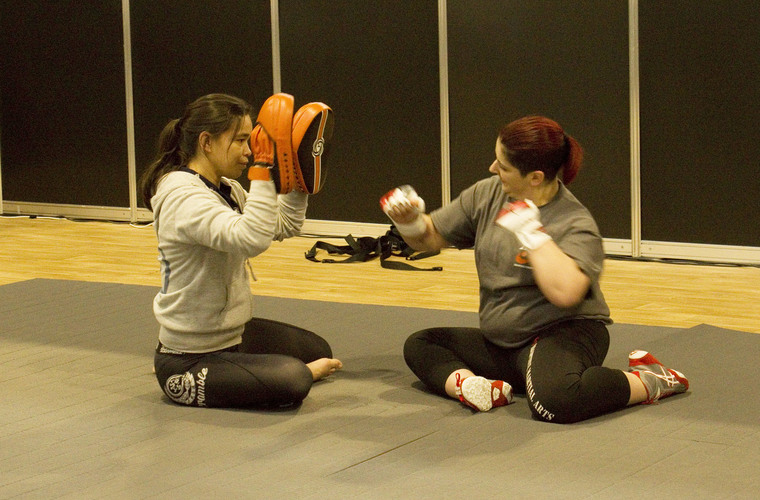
[(477, 392)]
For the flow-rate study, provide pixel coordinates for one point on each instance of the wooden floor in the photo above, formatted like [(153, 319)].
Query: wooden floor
[(646, 293)]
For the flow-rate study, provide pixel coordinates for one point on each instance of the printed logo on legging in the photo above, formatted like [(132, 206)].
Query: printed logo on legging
[(531, 392), (183, 388), (202, 386)]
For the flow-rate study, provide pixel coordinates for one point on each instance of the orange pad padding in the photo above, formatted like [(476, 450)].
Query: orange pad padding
[(276, 118), (312, 127)]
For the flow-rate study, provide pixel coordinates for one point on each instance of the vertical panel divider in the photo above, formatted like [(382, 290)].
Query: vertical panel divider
[(443, 76), (129, 98), (633, 64), (274, 8)]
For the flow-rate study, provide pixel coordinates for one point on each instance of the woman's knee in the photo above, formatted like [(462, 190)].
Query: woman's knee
[(295, 382), (414, 346)]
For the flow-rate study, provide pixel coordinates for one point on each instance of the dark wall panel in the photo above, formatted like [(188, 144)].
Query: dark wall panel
[(567, 60), (700, 153), (183, 49), (376, 64), (62, 102)]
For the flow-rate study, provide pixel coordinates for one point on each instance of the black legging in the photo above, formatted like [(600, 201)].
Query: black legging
[(266, 370), (560, 371)]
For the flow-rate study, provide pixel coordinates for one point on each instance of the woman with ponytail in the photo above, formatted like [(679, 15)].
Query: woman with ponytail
[(212, 352), (543, 317)]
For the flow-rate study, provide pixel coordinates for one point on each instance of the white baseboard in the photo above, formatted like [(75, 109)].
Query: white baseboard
[(75, 211), (700, 252), (613, 246), (331, 228)]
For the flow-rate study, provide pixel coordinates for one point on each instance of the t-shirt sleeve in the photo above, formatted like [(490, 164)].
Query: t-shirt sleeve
[(458, 221), (579, 238)]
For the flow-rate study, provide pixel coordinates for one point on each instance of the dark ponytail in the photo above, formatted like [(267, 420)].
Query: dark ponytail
[(573, 161), (169, 158), (539, 143), (213, 113)]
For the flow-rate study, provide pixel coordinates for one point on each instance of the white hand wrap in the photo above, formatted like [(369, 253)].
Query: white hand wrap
[(522, 219), (406, 198)]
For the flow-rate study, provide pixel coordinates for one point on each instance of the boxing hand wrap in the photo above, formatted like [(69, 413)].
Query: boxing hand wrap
[(402, 202), (521, 217)]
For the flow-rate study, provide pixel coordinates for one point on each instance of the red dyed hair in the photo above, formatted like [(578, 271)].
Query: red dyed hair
[(539, 143)]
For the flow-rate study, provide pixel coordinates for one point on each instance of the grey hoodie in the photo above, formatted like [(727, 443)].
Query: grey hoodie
[(203, 245)]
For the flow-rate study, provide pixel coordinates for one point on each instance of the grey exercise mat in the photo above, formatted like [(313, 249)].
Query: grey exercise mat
[(81, 415)]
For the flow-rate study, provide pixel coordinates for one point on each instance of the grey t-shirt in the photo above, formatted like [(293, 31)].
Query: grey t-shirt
[(512, 307)]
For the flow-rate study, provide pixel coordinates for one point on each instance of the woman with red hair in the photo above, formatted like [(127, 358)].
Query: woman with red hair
[(543, 318)]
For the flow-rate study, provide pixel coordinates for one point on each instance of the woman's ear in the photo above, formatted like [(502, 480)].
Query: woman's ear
[(204, 142), (536, 177)]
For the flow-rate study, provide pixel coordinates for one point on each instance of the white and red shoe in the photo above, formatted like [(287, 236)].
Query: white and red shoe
[(483, 394), (659, 382)]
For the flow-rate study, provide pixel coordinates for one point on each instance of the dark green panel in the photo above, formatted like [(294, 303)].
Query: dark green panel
[(63, 111), (376, 64), (183, 49), (565, 59), (700, 147)]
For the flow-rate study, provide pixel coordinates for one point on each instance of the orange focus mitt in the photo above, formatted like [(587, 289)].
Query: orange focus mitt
[(312, 127), (272, 141)]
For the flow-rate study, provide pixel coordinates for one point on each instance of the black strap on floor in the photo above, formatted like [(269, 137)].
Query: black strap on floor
[(366, 248)]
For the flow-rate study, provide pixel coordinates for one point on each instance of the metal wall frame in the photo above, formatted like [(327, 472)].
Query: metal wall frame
[(633, 85), (443, 72)]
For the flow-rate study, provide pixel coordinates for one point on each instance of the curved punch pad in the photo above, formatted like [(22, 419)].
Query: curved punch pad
[(276, 117), (312, 127)]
